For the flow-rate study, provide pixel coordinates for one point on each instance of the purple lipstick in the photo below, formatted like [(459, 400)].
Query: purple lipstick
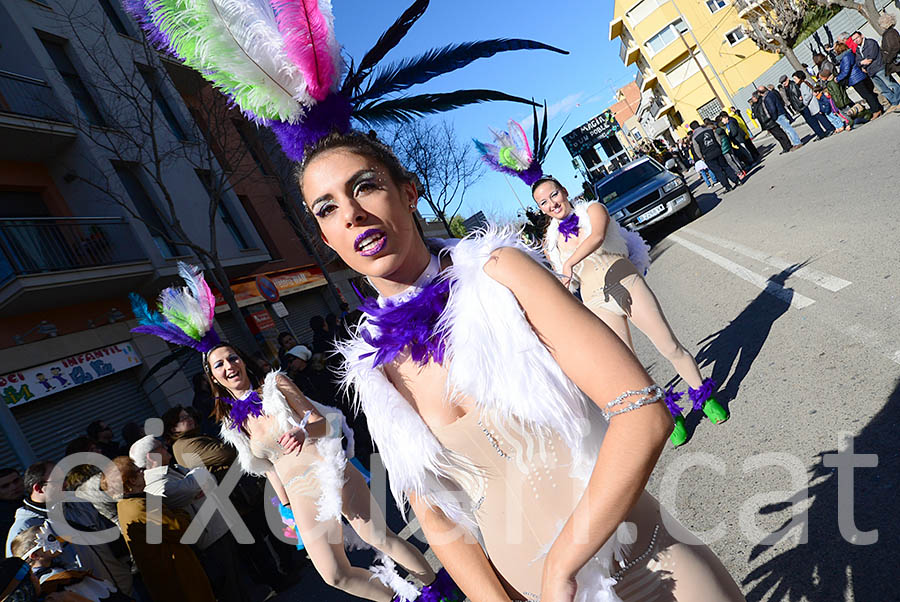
[(370, 242)]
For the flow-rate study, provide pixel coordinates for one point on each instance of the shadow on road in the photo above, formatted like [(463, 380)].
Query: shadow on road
[(733, 349), (829, 567)]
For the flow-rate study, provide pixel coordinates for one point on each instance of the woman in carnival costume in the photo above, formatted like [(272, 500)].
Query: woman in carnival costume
[(504, 410), (296, 443), (593, 252)]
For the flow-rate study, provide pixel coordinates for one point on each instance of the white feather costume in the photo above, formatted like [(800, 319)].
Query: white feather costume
[(329, 473), (487, 333), (618, 240)]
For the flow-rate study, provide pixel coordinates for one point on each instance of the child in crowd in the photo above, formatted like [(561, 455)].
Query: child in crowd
[(39, 547), (827, 108), (708, 176)]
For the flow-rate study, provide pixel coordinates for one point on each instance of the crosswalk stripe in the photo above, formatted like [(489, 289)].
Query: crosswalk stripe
[(826, 281), (796, 300)]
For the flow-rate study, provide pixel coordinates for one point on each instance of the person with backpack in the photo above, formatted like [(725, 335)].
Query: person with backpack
[(766, 122), (706, 145)]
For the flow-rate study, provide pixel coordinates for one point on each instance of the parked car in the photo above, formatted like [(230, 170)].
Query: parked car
[(644, 192)]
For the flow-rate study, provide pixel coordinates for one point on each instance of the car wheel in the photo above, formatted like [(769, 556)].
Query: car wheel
[(693, 210)]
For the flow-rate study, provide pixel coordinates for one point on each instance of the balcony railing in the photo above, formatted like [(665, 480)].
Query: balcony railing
[(28, 96), (639, 80), (743, 6), (57, 244)]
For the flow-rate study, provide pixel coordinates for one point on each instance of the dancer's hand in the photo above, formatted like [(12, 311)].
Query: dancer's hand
[(567, 274), (557, 587), (293, 440)]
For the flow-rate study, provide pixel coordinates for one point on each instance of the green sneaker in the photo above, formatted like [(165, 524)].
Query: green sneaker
[(679, 435), (714, 411)]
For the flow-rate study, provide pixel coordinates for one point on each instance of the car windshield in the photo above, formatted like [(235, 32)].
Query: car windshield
[(629, 179)]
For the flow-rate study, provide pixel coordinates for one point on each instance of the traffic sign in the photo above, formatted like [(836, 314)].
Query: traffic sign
[(267, 289)]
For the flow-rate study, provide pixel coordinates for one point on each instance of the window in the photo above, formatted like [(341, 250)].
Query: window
[(716, 5), (684, 70), (63, 64), (114, 18), (736, 35), (145, 208), (665, 37), (156, 92), (248, 144), (711, 110), (642, 10), (629, 179), (222, 209), (258, 223)]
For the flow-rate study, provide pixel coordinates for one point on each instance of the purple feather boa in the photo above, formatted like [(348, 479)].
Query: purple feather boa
[(531, 175), (699, 396), (671, 400), (241, 409), (568, 226), (324, 117), (410, 324)]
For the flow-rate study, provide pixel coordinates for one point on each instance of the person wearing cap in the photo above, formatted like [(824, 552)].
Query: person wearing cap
[(767, 122), (785, 94)]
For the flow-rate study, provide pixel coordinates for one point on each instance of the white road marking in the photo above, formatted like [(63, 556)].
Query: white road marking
[(870, 338), (826, 281), (796, 300)]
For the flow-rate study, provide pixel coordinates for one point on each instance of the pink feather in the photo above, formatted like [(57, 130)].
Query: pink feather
[(524, 138), (309, 41)]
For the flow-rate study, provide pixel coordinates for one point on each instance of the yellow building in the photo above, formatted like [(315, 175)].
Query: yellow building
[(691, 55)]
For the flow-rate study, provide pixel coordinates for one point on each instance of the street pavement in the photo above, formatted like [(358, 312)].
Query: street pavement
[(785, 291)]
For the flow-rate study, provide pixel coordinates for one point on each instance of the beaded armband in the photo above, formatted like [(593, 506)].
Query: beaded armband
[(651, 394)]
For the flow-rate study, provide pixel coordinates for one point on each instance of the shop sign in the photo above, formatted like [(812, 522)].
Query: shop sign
[(262, 320), (280, 310), (248, 293), (17, 388)]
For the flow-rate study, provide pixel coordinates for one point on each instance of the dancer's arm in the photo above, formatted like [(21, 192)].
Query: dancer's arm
[(278, 487), (603, 367), (599, 219), (460, 554), (292, 441)]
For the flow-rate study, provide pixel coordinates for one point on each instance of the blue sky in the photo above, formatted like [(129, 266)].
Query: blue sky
[(577, 86)]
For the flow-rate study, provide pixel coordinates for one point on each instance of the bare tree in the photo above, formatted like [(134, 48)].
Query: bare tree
[(775, 25), (446, 167), (138, 129), (866, 8)]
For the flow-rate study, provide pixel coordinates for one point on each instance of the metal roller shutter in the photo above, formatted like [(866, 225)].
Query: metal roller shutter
[(50, 424), (8, 458), (302, 307), (231, 330)]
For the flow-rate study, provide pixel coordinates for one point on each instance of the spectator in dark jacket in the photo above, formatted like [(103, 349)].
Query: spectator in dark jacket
[(775, 107), (794, 97), (871, 60), (766, 122), (890, 44), (850, 74), (743, 144), (708, 147)]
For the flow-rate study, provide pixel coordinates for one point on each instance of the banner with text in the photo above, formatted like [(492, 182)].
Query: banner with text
[(23, 386)]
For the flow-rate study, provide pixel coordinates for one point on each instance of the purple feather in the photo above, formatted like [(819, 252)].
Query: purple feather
[(331, 114), (157, 38), (532, 174), (699, 396), (529, 176), (241, 409), (408, 325), (569, 226), (671, 399), (441, 589)]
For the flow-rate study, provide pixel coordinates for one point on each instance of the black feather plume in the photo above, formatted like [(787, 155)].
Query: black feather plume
[(408, 108)]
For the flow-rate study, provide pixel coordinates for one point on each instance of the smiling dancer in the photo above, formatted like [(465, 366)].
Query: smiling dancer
[(606, 262), (280, 433), (470, 369)]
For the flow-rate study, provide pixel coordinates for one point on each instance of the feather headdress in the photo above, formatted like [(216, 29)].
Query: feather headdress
[(279, 61), (185, 315), (513, 155)]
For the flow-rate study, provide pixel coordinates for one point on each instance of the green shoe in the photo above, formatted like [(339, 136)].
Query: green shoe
[(714, 411), (679, 435)]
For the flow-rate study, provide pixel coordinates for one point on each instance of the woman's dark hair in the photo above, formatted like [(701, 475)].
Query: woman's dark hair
[(799, 74), (171, 417), (359, 143), (222, 396), (542, 179), (317, 323), (282, 336)]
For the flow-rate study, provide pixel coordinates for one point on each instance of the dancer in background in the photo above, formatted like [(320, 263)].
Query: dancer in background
[(282, 434), (470, 369), (591, 252)]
